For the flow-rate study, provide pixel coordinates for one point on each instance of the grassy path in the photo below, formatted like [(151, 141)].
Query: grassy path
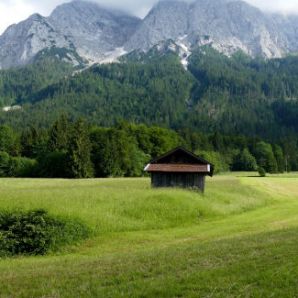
[(239, 240)]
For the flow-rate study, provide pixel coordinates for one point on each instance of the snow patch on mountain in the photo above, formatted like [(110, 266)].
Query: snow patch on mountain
[(113, 56), (184, 52)]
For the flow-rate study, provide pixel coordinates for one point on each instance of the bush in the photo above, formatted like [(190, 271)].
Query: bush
[(262, 172), (36, 232), (22, 167), (16, 166), (4, 164), (52, 165)]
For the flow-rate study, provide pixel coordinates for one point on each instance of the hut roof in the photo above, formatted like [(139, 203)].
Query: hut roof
[(177, 168), (180, 160)]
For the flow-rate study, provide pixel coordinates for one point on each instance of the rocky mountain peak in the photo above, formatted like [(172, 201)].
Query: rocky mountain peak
[(98, 34), (228, 26), (166, 20), (89, 29), (20, 43), (92, 29)]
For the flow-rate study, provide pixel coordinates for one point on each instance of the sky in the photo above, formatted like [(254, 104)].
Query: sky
[(14, 11)]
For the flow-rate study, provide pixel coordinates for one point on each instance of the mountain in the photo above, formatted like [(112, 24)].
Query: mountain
[(89, 30), (166, 20), (20, 43), (182, 68), (94, 34), (228, 26)]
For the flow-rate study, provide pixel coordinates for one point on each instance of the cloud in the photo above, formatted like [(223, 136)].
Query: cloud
[(13, 11), (284, 6)]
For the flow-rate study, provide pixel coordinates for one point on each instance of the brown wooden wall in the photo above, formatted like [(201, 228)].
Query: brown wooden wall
[(184, 180)]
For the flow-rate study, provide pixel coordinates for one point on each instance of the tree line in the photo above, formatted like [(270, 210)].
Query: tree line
[(76, 149)]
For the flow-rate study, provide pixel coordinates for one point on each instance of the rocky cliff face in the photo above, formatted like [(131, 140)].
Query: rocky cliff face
[(21, 42), (167, 20), (235, 25), (97, 34), (94, 31), (228, 26)]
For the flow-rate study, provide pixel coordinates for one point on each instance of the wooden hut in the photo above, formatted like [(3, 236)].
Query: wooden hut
[(179, 168)]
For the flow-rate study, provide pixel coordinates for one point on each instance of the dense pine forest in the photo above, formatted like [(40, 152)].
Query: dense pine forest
[(236, 95), (74, 149), (239, 112)]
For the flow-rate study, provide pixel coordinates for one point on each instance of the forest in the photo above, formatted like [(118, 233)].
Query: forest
[(240, 113), (76, 149), (232, 95)]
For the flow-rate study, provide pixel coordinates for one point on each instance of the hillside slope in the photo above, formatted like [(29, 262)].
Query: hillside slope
[(23, 82), (236, 95)]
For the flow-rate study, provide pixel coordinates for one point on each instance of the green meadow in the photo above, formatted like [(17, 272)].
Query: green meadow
[(239, 239)]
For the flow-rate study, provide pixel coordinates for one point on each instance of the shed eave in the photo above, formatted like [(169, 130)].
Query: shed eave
[(179, 168)]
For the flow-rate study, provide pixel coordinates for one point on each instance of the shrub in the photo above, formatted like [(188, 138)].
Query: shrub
[(22, 167), (4, 164), (36, 232), (16, 166), (52, 165), (262, 172)]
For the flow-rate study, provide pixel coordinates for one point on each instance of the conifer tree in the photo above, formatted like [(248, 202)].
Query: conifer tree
[(266, 158), (59, 134), (280, 159), (79, 150), (245, 161)]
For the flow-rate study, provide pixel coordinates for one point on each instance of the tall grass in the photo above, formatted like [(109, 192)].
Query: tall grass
[(115, 205), (239, 239)]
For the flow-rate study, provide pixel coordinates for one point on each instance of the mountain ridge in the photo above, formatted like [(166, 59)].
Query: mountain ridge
[(89, 29), (101, 35)]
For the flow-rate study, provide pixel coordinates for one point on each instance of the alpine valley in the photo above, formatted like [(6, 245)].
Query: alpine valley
[(215, 65)]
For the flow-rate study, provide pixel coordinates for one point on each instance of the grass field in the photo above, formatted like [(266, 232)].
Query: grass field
[(240, 239)]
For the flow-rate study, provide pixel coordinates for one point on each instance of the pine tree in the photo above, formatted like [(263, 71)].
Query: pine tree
[(59, 134), (266, 158), (245, 161), (34, 142), (79, 151), (9, 141), (280, 159)]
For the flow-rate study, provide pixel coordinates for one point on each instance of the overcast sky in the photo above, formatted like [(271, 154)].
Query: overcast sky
[(13, 11)]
